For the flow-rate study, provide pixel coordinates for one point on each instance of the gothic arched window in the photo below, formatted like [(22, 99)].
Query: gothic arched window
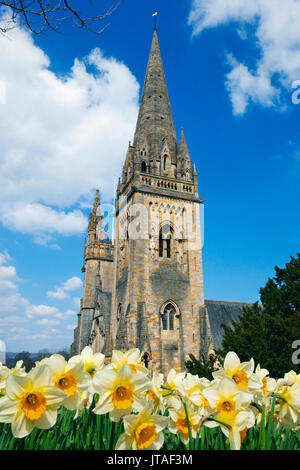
[(143, 167), (165, 241), (165, 161), (167, 317)]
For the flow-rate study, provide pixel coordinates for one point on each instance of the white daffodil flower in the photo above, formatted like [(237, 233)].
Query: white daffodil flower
[(179, 423), (268, 385), (292, 378), (172, 384), (191, 388), (235, 428), (31, 401), (120, 392), (226, 398), (84, 402), (289, 404), (155, 393), (241, 373), (132, 357), (143, 431), (5, 372), (70, 378), (93, 362)]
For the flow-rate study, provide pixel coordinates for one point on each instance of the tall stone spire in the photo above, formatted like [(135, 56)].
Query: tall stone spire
[(155, 124)]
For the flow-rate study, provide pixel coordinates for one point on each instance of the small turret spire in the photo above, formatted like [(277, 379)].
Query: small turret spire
[(96, 202)]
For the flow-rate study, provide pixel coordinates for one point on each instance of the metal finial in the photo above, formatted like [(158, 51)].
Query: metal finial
[(155, 18)]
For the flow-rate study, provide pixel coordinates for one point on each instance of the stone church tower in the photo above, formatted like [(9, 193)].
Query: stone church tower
[(146, 290)]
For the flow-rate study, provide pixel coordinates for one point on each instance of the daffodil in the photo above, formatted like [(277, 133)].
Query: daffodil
[(234, 427), (240, 372), (5, 372), (93, 362), (225, 398), (180, 425), (70, 378), (268, 385), (120, 392), (31, 401), (84, 402), (289, 404), (191, 388), (132, 357), (292, 378), (155, 393), (172, 384), (143, 431)]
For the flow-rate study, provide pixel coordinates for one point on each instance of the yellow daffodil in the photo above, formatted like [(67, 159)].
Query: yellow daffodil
[(226, 399), (292, 378), (191, 388), (131, 357), (5, 372), (120, 392), (289, 404), (241, 373), (173, 381), (84, 402), (93, 362), (70, 378), (234, 427), (31, 401), (267, 385), (155, 392), (143, 431), (179, 423)]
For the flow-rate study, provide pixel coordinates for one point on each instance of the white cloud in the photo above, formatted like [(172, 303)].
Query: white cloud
[(48, 322), (276, 27), (72, 284), (11, 301), (31, 325), (41, 311), (61, 136), (36, 218), (61, 292), (58, 294), (7, 272)]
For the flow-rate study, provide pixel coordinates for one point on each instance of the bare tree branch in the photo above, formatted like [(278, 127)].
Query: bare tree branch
[(41, 15)]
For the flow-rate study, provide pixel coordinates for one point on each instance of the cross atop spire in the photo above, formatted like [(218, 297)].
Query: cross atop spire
[(155, 120)]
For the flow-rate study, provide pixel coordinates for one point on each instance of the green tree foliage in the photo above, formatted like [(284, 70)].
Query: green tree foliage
[(202, 368), (266, 332)]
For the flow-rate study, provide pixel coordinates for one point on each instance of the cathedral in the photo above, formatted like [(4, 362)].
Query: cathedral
[(144, 287)]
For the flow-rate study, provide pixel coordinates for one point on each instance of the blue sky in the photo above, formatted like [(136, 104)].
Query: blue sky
[(70, 111)]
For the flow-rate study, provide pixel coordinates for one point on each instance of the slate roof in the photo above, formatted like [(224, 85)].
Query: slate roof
[(223, 312)]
